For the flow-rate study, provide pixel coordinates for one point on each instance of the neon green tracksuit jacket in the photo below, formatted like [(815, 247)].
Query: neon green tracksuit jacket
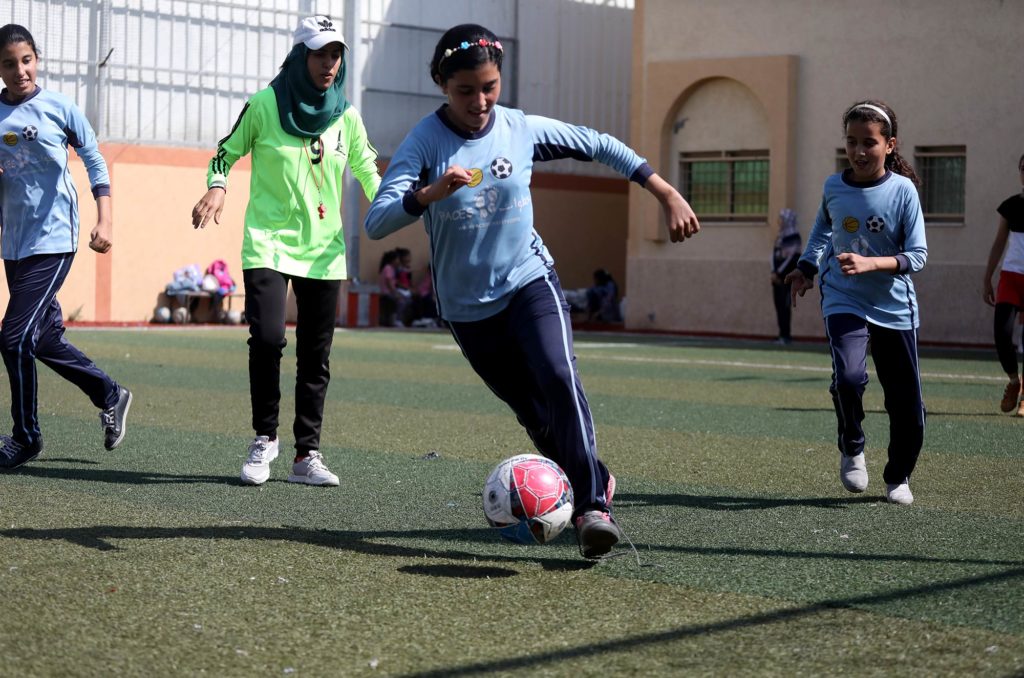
[(291, 178)]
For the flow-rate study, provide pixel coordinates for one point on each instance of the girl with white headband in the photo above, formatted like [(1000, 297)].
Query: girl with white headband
[(465, 170), (867, 240)]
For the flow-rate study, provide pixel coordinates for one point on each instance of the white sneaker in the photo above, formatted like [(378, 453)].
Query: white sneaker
[(899, 493), (256, 469), (312, 471), (853, 472)]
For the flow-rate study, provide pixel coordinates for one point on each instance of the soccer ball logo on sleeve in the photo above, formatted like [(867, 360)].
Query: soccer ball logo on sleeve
[(528, 499), (30, 133), (875, 224)]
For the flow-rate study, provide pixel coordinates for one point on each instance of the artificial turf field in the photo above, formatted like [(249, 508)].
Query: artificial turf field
[(750, 557)]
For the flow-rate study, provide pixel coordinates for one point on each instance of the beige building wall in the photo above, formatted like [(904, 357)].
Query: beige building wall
[(951, 71), (582, 219)]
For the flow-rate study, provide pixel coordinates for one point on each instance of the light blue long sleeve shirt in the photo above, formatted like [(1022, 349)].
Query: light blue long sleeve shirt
[(483, 244), (877, 219), (38, 200)]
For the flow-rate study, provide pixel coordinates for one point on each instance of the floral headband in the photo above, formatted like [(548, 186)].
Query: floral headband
[(482, 42)]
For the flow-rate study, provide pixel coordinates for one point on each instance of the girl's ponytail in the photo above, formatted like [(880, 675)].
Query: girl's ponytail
[(898, 164)]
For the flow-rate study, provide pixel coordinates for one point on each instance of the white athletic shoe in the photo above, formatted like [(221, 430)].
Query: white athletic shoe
[(312, 471), (256, 469), (853, 472), (899, 493)]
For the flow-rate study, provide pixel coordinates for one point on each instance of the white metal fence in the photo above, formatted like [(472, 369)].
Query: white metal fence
[(169, 72), (177, 72)]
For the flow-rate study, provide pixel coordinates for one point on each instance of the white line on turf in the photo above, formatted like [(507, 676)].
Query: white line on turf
[(743, 364)]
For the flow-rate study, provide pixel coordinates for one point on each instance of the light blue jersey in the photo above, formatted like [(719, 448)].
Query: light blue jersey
[(483, 244), (38, 200), (877, 219)]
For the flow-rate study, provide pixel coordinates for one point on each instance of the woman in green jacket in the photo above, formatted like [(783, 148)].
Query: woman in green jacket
[(301, 133)]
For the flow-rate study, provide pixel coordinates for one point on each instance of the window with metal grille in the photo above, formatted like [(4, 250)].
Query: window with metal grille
[(842, 162), (726, 185), (943, 185)]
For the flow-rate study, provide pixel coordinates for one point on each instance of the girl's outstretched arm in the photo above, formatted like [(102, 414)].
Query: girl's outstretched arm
[(679, 217)]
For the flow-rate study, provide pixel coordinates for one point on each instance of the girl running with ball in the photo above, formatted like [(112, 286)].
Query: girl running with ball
[(465, 169)]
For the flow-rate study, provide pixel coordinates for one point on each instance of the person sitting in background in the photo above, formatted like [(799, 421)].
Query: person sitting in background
[(387, 281), (424, 306), (603, 299), (403, 286)]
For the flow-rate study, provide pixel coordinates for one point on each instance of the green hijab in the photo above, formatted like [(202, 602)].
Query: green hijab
[(306, 111)]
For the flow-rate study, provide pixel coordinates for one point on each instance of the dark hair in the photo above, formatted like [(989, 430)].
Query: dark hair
[(470, 58), (602, 276), (1020, 163), (12, 33), (861, 113), (387, 258)]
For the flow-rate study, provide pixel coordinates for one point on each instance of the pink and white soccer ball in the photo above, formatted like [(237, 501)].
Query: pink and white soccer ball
[(528, 498)]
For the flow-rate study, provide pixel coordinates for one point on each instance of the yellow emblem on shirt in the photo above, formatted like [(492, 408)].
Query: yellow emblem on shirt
[(476, 175), (851, 225), (10, 138)]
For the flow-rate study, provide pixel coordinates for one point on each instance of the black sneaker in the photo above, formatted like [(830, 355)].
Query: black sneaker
[(113, 420), (596, 533), (13, 454)]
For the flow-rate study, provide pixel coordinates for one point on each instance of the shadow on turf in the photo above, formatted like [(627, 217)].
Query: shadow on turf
[(65, 460), (931, 413), (100, 537), (459, 571), (607, 646), (773, 379), (116, 475), (731, 503)]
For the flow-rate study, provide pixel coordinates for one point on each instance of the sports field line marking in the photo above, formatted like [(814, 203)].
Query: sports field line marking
[(780, 366), (749, 366)]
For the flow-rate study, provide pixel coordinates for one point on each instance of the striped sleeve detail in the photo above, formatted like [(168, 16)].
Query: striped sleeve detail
[(219, 166), (73, 139), (218, 171), (544, 152)]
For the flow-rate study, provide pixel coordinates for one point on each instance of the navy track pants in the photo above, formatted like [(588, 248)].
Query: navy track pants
[(894, 353), (33, 328), (525, 356)]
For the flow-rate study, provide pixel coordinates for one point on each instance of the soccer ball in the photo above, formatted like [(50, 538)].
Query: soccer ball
[(876, 224), (30, 133), (180, 315), (501, 168), (528, 498), (162, 314)]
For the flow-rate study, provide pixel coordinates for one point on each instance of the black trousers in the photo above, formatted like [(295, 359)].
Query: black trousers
[(525, 355), (783, 309), (33, 328), (1005, 318), (266, 293), (894, 353)]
